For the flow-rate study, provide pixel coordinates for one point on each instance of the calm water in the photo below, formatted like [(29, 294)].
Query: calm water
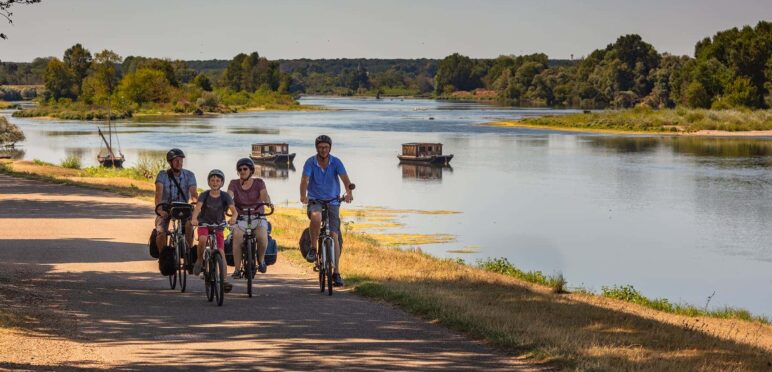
[(675, 217)]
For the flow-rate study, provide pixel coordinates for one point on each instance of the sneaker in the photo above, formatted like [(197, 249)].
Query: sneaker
[(227, 287), (311, 255), (262, 267), (236, 274), (336, 280), (197, 268)]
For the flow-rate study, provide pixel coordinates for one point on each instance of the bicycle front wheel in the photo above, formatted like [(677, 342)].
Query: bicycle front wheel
[(209, 278), (182, 264), (219, 278), (249, 265), (329, 251), (173, 276)]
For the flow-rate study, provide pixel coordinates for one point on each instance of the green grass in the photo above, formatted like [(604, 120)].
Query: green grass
[(663, 121), (502, 266), (630, 294), (72, 161)]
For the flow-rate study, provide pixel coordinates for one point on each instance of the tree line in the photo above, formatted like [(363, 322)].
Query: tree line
[(733, 68)]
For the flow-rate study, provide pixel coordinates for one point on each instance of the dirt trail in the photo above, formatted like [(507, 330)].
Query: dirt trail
[(80, 291)]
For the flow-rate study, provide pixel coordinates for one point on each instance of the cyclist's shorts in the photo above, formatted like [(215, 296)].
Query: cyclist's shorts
[(260, 223), (204, 231), (332, 210)]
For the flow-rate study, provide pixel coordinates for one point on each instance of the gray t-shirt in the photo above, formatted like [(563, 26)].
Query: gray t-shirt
[(213, 211), (186, 180)]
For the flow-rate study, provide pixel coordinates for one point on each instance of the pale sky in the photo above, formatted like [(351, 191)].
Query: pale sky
[(372, 29)]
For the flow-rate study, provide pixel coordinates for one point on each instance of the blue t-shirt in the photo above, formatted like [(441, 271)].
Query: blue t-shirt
[(323, 184), (186, 180)]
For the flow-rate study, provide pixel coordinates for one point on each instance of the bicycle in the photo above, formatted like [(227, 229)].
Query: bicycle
[(249, 244), (325, 251), (180, 213), (214, 265)]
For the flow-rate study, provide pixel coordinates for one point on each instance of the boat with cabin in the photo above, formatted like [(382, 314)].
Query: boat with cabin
[(271, 153), (423, 152)]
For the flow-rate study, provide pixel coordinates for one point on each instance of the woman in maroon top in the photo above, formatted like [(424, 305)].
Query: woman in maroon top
[(246, 193)]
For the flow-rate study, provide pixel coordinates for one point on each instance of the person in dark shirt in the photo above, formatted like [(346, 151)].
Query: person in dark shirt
[(210, 210)]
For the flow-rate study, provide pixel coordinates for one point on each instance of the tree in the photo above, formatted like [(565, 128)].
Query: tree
[(145, 85), (455, 73), (78, 60), (5, 6), (696, 96), (59, 80), (203, 82), (9, 132)]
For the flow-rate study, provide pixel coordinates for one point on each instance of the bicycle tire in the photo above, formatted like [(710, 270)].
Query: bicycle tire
[(330, 251), (173, 276), (182, 265), (219, 278), (320, 264), (249, 266), (208, 278)]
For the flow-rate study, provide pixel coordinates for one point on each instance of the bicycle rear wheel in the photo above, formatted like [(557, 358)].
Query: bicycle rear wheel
[(219, 278), (182, 264)]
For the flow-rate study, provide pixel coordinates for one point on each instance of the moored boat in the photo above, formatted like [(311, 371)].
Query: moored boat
[(271, 153), (421, 152)]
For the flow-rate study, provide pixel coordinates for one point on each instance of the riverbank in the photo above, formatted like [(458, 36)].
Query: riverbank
[(512, 313), (692, 122)]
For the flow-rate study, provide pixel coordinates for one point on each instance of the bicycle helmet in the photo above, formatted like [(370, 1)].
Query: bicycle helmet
[(218, 173), (323, 139), (174, 153), (246, 161)]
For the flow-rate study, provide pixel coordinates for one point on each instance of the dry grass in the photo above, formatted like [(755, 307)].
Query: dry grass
[(576, 331)]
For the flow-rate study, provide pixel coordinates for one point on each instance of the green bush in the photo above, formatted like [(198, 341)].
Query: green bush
[(72, 161)]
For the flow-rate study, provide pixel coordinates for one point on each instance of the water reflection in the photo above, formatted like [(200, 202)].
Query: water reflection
[(254, 131), (722, 147), (623, 145), (279, 171), (423, 172)]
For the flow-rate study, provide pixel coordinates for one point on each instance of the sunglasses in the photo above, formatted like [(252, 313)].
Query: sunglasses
[(243, 169)]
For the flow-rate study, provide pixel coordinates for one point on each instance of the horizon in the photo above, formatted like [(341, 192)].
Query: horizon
[(344, 29)]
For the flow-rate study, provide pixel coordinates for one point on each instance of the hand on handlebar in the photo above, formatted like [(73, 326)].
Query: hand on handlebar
[(232, 221), (348, 197), (304, 199)]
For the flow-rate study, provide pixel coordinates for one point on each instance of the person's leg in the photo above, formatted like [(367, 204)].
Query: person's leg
[(334, 217), (261, 233), (200, 250), (238, 239), (161, 228), (315, 215), (221, 246), (188, 233)]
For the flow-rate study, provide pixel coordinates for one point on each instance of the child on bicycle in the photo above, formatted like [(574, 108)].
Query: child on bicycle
[(210, 209)]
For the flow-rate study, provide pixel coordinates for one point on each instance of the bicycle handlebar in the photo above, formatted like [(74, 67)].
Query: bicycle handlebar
[(254, 211), (216, 225), (168, 206)]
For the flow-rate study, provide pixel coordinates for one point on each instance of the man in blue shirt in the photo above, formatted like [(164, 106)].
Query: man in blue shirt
[(320, 182)]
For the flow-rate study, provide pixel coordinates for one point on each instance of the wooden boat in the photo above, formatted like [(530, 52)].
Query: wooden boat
[(272, 153), (424, 153), (110, 159)]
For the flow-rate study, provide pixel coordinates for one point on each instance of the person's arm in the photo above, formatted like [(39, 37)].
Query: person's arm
[(159, 194), (193, 191), (347, 184), (304, 189), (234, 214), (196, 212)]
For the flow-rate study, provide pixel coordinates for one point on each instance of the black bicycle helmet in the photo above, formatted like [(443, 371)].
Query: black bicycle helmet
[(174, 153), (216, 172), (246, 161), (323, 139)]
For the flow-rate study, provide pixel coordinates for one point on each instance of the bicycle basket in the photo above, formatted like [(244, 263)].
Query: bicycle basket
[(181, 211)]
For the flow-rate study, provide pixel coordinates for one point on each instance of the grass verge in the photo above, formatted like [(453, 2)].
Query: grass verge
[(645, 120)]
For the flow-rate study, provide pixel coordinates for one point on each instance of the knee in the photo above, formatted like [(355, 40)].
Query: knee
[(316, 217)]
